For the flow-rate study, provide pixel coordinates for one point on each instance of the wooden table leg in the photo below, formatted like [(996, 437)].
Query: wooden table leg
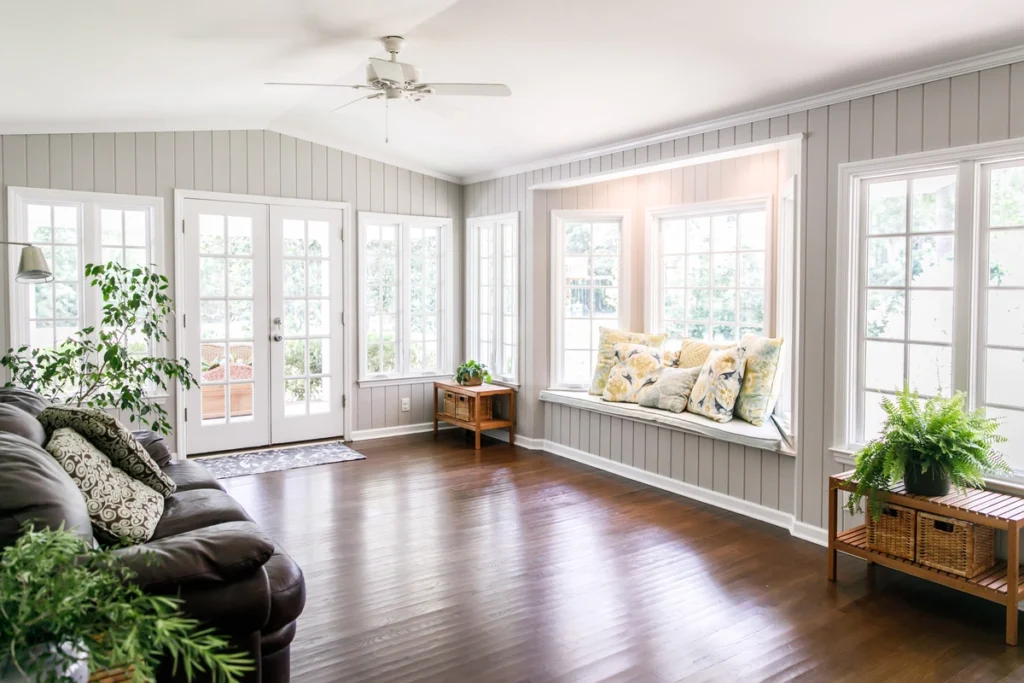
[(512, 419), (833, 510), (435, 412), (476, 410), (1012, 581)]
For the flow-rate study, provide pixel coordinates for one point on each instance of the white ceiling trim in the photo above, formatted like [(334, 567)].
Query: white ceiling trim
[(926, 75)]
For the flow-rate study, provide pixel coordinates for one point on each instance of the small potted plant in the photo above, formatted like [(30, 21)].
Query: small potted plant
[(928, 445), (472, 374), (67, 609)]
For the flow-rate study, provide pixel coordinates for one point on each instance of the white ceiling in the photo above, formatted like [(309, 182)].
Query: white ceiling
[(583, 72)]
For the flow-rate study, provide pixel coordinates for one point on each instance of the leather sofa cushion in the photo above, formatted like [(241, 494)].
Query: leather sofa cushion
[(273, 641), (29, 401), (189, 475), (216, 554), (34, 488), (154, 445), (14, 420), (287, 591), (190, 510)]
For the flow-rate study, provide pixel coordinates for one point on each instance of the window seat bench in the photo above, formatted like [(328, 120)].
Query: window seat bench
[(765, 437)]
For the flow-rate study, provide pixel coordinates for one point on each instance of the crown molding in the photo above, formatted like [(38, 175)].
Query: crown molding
[(882, 85)]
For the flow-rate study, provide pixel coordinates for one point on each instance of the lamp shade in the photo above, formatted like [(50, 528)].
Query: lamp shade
[(33, 266)]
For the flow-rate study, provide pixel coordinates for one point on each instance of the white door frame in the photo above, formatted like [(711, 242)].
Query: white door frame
[(348, 299)]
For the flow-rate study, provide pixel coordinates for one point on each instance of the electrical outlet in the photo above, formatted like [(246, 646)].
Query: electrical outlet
[(405, 405)]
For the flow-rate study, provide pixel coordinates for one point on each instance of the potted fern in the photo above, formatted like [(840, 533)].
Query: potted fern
[(67, 609), (929, 446)]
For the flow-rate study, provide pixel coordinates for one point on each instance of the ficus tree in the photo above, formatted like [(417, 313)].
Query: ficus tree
[(110, 366)]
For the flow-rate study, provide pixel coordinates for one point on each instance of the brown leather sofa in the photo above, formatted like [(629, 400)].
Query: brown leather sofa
[(209, 552)]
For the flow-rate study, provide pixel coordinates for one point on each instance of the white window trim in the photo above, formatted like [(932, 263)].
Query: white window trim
[(91, 203), (558, 218), (446, 331), (472, 292), (786, 239), (965, 161), (653, 322)]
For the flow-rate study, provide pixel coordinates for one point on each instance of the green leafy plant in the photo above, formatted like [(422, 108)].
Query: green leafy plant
[(920, 436), (109, 366), (471, 370), (55, 589)]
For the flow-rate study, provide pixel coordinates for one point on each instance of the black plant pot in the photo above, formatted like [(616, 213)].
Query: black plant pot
[(934, 482)]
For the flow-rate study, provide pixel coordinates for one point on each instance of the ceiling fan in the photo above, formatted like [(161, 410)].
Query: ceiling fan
[(395, 80)]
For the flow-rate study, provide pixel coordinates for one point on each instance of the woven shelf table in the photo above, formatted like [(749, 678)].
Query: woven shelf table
[(1003, 511)]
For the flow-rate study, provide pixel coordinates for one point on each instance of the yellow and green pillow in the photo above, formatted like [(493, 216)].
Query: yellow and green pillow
[(718, 385), (692, 354), (761, 379), (637, 366), (606, 352)]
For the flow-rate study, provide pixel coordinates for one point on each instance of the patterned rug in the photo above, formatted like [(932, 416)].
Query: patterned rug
[(257, 462)]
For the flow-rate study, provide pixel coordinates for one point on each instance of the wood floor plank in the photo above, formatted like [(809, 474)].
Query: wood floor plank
[(429, 562)]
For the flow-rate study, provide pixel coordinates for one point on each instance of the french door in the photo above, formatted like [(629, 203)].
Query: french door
[(262, 324)]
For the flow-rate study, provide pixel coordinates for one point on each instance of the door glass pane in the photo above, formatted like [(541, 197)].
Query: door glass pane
[(295, 396)]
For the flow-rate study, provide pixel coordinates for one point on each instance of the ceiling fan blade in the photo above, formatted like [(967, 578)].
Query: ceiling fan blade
[(387, 71), (322, 85), (358, 99), (470, 89)]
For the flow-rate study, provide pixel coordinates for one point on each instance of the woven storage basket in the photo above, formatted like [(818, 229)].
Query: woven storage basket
[(449, 404), (954, 546), (894, 532), (464, 408), (112, 675)]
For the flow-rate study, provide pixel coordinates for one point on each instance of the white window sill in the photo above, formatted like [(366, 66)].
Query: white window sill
[(398, 381), (766, 437), (511, 384)]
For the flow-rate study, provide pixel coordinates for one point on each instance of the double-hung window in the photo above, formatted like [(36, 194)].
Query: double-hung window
[(492, 322), (589, 289), (404, 288), (934, 295), (711, 274), (73, 229)]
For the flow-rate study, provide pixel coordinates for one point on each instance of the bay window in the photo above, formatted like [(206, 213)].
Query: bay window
[(492, 268), (589, 289), (404, 312)]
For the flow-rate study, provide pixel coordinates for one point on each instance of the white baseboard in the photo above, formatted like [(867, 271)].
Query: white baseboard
[(401, 430), (724, 501), (526, 442)]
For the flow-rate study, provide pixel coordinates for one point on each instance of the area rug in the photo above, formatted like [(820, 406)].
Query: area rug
[(258, 462)]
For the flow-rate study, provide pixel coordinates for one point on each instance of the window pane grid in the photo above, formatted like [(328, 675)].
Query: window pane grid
[(494, 316), (55, 308)]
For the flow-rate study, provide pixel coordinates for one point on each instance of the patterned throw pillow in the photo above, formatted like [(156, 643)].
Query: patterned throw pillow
[(671, 391), (122, 509), (637, 366), (692, 354), (606, 352), (718, 385), (113, 439), (761, 379)]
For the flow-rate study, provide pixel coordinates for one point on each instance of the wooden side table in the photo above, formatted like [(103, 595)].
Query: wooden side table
[(476, 418)]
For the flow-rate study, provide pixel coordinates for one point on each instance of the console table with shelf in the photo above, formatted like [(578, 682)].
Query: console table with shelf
[(1003, 511), (478, 422)]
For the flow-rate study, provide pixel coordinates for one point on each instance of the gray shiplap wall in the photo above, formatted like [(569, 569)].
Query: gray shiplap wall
[(750, 474), (974, 107), (239, 161)]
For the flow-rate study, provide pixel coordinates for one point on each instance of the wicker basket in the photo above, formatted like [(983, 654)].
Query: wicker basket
[(465, 411), (954, 546), (449, 404), (894, 532), (113, 675)]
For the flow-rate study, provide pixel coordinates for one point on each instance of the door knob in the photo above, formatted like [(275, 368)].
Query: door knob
[(277, 337)]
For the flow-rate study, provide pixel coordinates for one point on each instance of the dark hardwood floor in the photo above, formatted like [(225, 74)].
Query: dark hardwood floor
[(428, 562)]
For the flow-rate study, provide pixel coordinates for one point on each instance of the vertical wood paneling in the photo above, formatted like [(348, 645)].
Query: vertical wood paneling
[(145, 164), (37, 161), (720, 476), (289, 170), (963, 112), (884, 126), (615, 439), (272, 163), (909, 119), (862, 114), (416, 194), (584, 430), (238, 164), (349, 178), (124, 163), (202, 147), (255, 178), (318, 162), (786, 483), (627, 443), (303, 169), (1017, 100), (574, 429), (391, 406), (651, 448), (994, 104), (936, 115), (737, 470), (770, 479), (164, 159), (103, 162), (691, 460), (334, 181), (82, 162), (753, 483), (706, 463), (221, 141), (61, 162)]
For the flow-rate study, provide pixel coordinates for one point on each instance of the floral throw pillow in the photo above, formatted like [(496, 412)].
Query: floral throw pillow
[(113, 439), (761, 379), (714, 394), (606, 352), (692, 353), (671, 391), (122, 509), (637, 366)]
